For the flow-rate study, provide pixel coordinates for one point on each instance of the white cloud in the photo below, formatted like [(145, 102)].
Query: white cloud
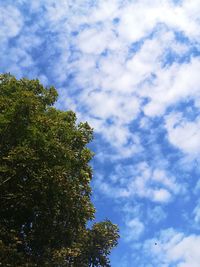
[(129, 61), (114, 85), (140, 180), (11, 21), (187, 250), (161, 195), (17, 42), (174, 248), (184, 134), (156, 184), (134, 229), (104, 11), (173, 84), (92, 41), (156, 214), (134, 226)]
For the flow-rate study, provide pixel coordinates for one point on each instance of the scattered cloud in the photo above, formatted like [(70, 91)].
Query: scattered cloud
[(139, 180), (131, 69)]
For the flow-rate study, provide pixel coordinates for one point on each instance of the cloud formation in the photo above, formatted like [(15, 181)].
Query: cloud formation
[(131, 69), (174, 248)]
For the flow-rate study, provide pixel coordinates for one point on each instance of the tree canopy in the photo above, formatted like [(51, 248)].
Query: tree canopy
[(45, 179)]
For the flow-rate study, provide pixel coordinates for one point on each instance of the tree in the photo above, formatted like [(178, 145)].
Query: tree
[(45, 183)]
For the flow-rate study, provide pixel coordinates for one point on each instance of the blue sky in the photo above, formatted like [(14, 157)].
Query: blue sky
[(132, 70)]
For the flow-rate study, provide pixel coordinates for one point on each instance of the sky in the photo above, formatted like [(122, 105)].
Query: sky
[(131, 68)]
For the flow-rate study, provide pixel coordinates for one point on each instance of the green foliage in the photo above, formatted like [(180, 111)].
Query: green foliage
[(45, 183)]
